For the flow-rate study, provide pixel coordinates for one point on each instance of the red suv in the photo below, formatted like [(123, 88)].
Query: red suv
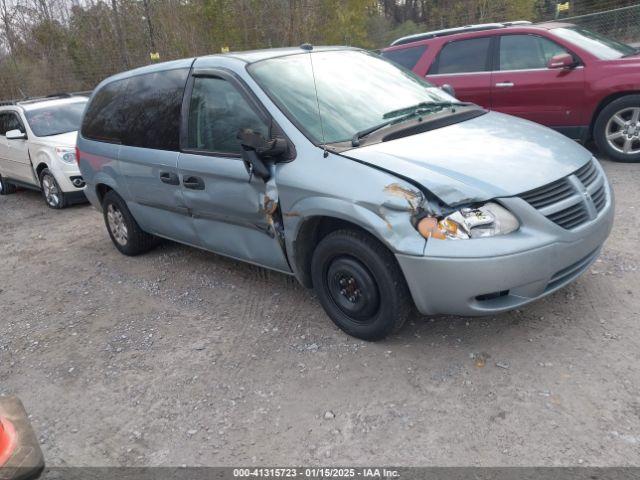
[(558, 74)]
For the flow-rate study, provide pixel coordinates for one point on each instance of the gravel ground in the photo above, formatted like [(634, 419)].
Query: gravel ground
[(184, 357)]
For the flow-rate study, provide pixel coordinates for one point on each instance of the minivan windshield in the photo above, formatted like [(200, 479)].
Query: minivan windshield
[(356, 91), (598, 45), (56, 119)]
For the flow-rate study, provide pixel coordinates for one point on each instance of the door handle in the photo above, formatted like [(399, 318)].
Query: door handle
[(170, 178), (505, 84), (194, 183)]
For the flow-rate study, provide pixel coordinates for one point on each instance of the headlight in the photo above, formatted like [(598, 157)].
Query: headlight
[(487, 220), (67, 155)]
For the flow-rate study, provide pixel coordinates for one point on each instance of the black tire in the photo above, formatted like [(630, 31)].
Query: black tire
[(53, 196), (360, 285), (621, 105), (6, 188), (133, 241)]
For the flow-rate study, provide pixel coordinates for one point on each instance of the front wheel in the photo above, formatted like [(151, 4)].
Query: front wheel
[(53, 195), (6, 188), (360, 285), (124, 231), (617, 129)]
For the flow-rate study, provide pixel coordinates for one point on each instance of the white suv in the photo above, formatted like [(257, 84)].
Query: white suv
[(37, 148)]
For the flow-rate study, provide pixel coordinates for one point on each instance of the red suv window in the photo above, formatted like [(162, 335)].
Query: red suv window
[(523, 52), (463, 56), (406, 57)]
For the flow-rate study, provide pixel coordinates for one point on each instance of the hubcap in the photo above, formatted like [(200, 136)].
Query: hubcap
[(353, 289), (50, 190), (623, 131), (117, 225)]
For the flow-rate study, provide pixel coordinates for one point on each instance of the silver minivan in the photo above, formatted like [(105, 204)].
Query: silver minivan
[(373, 187)]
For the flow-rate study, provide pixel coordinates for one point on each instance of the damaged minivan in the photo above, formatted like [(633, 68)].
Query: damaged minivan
[(370, 185)]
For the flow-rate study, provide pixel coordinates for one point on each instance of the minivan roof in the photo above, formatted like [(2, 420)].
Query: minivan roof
[(251, 56), (248, 56)]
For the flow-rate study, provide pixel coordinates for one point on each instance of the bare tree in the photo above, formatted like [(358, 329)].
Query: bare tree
[(119, 34)]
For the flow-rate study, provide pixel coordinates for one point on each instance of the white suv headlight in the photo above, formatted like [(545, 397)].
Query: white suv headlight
[(487, 220), (67, 155)]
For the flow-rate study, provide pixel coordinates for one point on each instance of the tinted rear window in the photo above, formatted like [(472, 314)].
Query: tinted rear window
[(141, 111), (463, 56), (152, 110), (103, 119), (406, 57)]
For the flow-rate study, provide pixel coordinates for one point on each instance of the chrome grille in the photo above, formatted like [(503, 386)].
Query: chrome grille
[(587, 174), (599, 198), (549, 194), (573, 200), (570, 217)]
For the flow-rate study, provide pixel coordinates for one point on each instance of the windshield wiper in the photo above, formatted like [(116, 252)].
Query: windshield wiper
[(635, 52), (427, 107), (403, 114), (355, 140)]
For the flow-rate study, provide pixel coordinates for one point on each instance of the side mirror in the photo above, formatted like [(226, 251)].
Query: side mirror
[(15, 135), (563, 60), (448, 89), (258, 152)]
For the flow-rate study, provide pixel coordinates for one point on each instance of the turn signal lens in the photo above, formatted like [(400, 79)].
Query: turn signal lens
[(428, 228)]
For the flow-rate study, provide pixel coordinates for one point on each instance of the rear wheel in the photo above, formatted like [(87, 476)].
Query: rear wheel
[(53, 195), (124, 231), (617, 129), (360, 285), (6, 188)]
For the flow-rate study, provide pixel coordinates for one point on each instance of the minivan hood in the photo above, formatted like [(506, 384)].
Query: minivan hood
[(494, 155)]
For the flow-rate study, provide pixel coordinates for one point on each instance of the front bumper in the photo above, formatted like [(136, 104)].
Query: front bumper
[(65, 173), (491, 275)]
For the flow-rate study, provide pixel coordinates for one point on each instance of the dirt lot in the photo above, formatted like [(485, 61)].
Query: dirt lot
[(184, 357)]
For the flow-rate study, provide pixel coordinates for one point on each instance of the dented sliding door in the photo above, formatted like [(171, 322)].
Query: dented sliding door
[(232, 215)]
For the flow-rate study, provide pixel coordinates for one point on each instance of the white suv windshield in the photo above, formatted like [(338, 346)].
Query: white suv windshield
[(55, 120), (355, 90), (602, 47)]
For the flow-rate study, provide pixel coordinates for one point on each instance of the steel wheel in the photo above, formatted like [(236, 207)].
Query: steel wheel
[(51, 191), (117, 225), (353, 289), (623, 131)]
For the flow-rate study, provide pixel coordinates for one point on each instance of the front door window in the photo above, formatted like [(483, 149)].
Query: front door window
[(527, 52), (216, 113)]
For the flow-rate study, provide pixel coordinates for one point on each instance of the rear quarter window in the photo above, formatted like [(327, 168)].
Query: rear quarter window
[(405, 57), (140, 111), (103, 120)]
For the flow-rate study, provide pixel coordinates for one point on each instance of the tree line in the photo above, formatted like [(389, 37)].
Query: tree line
[(70, 45)]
